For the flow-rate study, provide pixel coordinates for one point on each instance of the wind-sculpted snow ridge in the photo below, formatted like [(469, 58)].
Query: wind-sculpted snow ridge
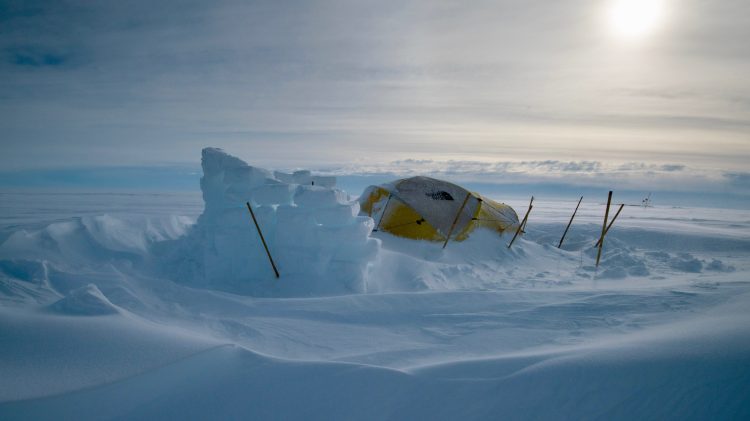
[(87, 239), (84, 301), (313, 232)]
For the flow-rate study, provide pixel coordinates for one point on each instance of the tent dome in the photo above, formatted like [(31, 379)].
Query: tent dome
[(429, 209)]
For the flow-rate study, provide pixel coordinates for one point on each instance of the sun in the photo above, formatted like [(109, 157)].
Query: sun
[(634, 19)]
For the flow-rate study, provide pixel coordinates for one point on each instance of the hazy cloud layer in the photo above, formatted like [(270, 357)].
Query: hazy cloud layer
[(741, 180), (671, 183), (331, 81), (628, 175)]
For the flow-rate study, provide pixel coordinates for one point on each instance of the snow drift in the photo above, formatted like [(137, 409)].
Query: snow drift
[(313, 231)]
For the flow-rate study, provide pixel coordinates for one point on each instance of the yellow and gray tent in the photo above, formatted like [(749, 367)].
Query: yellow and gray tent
[(425, 208)]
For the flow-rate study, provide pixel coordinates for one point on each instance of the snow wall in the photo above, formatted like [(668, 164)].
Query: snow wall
[(313, 231)]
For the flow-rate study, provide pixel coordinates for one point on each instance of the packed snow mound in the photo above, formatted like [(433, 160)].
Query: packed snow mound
[(313, 232), (82, 240), (85, 301)]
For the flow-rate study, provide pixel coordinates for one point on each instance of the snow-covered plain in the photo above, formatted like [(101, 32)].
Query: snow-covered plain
[(95, 323)]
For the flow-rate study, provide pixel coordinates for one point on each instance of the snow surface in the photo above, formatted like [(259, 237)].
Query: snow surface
[(146, 307), (312, 229)]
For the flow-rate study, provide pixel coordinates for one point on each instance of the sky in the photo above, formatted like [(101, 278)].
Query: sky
[(542, 89)]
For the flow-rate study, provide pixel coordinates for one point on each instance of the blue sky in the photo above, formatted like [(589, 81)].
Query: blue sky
[(341, 84)]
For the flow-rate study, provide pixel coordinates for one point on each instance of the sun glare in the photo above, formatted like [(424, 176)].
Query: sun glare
[(633, 19)]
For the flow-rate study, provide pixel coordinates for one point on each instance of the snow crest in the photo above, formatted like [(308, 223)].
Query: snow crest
[(84, 301), (313, 232)]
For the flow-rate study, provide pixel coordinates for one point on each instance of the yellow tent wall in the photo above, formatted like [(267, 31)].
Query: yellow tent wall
[(401, 219)]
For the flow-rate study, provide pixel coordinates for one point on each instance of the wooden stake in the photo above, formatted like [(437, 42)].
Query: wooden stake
[(570, 223), (385, 208), (604, 229), (263, 240), (455, 220), (610, 223), (523, 223)]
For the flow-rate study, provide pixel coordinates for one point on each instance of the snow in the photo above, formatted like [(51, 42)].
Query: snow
[(319, 242), (151, 306), (84, 301)]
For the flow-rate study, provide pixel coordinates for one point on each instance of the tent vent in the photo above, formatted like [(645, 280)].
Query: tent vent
[(439, 195)]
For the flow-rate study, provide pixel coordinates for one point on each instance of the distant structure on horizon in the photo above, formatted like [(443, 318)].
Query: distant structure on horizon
[(646, 203)]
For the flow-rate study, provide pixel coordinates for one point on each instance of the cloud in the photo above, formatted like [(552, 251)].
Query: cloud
[(546, 167), (739, 179), (35, 57), (628, 175), (650, 167), (328, 81)]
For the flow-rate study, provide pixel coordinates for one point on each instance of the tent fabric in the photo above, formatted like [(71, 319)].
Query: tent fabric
[(425, 208)]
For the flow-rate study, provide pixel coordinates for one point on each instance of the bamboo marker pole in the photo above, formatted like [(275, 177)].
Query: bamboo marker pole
[(526, 219), (263, 240), (385, 208), (611, 222), (570, 223), (523, 223), (604, 229), (455, 220)]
